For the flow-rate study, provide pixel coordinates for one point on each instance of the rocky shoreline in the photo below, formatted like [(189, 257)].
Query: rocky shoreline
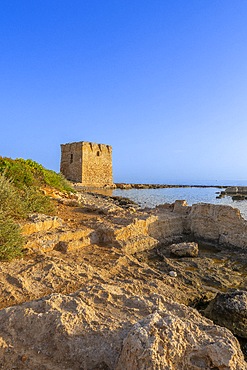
[(108, 285)]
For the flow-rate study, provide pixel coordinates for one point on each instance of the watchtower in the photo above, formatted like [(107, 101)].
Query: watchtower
[(87, 163)]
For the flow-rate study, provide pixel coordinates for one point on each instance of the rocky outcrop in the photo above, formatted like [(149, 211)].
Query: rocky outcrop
[(132, 237), (129, 232), (230, 310), (217, 223), (236, 190), (168, 226), (93, 202), (62, 238), (134, 230), (38, 222), (220, 224), (109, 298), (95, 331), (59, 333)]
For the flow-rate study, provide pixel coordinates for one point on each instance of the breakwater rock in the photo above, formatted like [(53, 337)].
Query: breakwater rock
[(95, 289)]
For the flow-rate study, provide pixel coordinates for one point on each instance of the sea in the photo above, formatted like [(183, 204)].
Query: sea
[(153, 197)]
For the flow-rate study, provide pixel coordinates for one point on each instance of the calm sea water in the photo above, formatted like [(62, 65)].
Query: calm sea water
[(154, 197)]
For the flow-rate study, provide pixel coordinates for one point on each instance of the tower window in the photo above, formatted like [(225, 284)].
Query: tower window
[(71, 158), (98, 153)]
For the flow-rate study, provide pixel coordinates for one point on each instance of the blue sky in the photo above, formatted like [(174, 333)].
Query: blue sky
[(162, 81)]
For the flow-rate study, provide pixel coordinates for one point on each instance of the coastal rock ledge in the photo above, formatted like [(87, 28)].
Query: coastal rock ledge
[(92, 292)]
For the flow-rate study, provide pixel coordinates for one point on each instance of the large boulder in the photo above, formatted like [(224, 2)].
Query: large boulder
[(230, 310), (164, 341), (184, 249), (103, 327)]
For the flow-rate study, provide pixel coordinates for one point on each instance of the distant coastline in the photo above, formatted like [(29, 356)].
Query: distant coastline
[(126, 186)]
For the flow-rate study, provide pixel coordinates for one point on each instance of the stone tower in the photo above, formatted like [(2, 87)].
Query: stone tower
[(87, 163)]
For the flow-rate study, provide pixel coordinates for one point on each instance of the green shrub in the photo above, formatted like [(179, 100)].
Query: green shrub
[(57, 181), (20, 195), (11, 202), (26, 172), (16, 170), (18, 203), (34, 201), (11, 240)]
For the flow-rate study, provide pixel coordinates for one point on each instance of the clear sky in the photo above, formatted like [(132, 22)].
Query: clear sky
[(162, 81)]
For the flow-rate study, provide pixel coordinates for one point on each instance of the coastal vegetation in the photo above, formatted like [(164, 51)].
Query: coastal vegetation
[(22, 184)]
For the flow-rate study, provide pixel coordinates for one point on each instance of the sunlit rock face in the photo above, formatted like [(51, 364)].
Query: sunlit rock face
[(221, 224), (179, 339), (111, 330)]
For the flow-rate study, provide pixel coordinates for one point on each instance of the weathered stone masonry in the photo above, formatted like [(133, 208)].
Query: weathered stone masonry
[(87, 163)]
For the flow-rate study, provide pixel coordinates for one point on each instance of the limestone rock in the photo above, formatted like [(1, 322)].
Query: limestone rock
[(220, 224), (130, 234), (111, 290), (181, 206), (184, 249), (98, 330), (230, 310), (58, 332), (64, 239), (40, 222), (168, 226), (94, 203), (164, 341)]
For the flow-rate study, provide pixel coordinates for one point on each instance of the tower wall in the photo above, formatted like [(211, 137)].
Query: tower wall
[(87, 163), (71, 161), (96, 164)]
